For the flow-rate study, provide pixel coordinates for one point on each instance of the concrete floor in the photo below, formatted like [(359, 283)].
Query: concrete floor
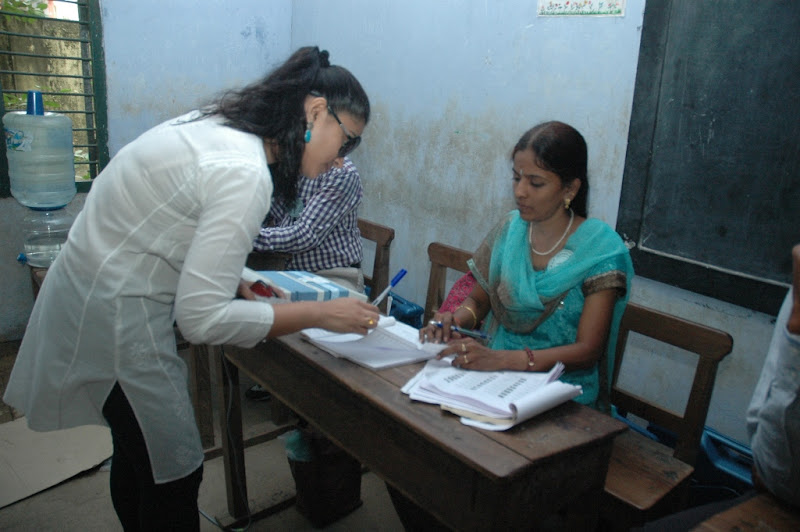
[(84, 503)]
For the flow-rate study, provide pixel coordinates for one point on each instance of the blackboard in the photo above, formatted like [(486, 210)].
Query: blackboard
[(711, 188)]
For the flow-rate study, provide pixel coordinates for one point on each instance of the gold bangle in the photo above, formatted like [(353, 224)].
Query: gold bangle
[(474, 317)]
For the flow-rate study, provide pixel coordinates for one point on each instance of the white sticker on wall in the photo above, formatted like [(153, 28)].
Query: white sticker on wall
[(596, 8)]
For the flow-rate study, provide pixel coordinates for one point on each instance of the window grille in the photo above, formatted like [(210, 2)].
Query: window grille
[(56, 47)]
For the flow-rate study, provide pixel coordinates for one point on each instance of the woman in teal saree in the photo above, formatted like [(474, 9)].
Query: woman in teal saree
[(551, 284)]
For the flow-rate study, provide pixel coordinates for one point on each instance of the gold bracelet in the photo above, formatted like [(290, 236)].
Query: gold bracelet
[(474, 317)]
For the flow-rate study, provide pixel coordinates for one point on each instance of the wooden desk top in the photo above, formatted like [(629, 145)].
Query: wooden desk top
[(466, 476)]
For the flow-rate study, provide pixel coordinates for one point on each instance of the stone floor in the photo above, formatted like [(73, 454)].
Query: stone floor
[(83, 502)]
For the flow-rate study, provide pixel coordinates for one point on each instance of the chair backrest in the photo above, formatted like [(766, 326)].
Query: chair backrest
[(442, 257), (378, 280), (709, 344)]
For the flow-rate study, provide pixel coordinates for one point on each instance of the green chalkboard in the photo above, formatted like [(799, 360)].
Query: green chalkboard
[(712, 175)]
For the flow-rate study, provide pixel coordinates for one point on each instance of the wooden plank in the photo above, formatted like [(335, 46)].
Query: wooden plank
[(762, 512), (643, 470)]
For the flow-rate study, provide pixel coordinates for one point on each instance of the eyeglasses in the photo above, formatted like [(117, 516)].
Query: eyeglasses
[(352, 141)]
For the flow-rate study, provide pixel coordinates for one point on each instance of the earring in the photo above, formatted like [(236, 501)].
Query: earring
[(307, 136), (567, 201)]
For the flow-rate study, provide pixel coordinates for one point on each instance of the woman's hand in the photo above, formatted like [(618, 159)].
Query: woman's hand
[(471, 354), (244, 291), (343, 315), (348, 315), (433, 334)]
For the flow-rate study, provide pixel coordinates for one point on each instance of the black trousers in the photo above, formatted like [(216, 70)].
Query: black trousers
[(140, 503)]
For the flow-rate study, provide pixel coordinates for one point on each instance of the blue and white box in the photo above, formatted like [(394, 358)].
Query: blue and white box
[(305, 286)]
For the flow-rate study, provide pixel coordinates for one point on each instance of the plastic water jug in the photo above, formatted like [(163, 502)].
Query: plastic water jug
[(43, 235), (41, 164)]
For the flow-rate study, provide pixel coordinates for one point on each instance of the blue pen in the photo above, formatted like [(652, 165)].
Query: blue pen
[(466, 332), (385, 293)]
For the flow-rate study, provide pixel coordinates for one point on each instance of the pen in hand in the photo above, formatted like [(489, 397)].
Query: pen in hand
[(466, 332)]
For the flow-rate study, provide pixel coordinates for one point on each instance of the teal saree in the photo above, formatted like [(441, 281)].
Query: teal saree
[(541, 309)]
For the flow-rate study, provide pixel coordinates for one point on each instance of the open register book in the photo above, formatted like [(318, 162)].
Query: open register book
[(391, 343), (492, 400)]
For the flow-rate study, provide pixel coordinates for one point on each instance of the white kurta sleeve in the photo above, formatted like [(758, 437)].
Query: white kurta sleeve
[(233, 204)]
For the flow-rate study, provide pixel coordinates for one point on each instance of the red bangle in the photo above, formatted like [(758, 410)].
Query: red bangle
[(531, 361)]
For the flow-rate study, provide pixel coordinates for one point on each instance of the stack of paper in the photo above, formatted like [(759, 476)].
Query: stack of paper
[(391, 343), (495, 400)]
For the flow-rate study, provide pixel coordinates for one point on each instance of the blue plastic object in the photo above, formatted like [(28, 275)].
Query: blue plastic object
[(727, 456), (404, 310)]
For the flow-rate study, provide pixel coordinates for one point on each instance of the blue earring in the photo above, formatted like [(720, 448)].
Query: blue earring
[(307, 136)]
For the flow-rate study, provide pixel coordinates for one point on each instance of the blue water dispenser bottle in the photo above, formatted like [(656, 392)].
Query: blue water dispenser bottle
[(41, 172)]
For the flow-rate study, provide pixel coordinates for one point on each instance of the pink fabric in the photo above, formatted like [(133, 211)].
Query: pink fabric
[(460, 291)]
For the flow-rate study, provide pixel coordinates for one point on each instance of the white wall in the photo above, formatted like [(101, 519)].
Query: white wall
[(165, 58), (453, 84)]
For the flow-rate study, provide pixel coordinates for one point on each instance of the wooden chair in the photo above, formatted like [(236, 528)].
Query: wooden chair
[(442, 257), (378, 280), (647, 479)]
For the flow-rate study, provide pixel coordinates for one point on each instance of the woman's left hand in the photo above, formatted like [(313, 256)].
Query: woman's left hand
[(471, 354)]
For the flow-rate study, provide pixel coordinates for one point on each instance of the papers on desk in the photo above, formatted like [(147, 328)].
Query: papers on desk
[(491, 400), (391, 343)]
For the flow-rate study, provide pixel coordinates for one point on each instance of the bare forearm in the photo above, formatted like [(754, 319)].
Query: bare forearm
[(292, 317), (344, 315)]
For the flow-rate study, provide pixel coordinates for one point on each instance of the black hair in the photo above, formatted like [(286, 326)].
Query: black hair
[(273, 108), (561, 149)]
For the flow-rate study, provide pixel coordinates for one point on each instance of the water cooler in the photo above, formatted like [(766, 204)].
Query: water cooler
[(42, 177)]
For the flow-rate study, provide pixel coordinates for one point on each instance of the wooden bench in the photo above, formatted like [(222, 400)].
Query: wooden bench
[(762, 512), (646, 479)]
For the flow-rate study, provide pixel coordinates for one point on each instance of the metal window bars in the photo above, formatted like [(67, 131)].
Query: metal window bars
[(62, 58)]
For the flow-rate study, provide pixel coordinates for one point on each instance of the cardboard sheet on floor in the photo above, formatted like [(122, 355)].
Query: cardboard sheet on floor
[(34, 461)]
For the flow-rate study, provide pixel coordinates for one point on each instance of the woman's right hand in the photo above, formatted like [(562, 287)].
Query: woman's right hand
[(343, 315), (348, 315), (433, 334)]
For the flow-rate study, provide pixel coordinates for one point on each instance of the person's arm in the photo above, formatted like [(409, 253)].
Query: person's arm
[(773, 417), (343, 315), (587, 349), (793, 323), (339, 194)]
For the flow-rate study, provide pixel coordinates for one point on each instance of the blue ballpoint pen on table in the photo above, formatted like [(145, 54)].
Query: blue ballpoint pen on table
[(385, 293), (466, 332)]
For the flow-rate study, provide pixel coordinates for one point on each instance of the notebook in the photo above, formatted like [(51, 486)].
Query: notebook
[(392, 343)]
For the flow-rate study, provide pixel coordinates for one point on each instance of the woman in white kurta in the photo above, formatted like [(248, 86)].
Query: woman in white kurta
[(163, 236)]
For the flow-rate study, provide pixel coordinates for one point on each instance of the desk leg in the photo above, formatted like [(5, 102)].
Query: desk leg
[(200, 390), (230, 421)]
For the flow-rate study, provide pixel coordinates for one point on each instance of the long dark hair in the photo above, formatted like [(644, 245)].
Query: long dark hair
[(561, 149), (273, 108)]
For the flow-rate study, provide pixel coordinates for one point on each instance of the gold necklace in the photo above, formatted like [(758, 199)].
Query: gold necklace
[(549, 251)]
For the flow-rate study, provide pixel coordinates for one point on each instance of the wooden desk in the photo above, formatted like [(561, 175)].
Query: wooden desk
[(547, 473)]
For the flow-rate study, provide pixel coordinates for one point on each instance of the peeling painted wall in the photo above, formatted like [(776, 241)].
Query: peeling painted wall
[(165, 58), (453, 85)]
